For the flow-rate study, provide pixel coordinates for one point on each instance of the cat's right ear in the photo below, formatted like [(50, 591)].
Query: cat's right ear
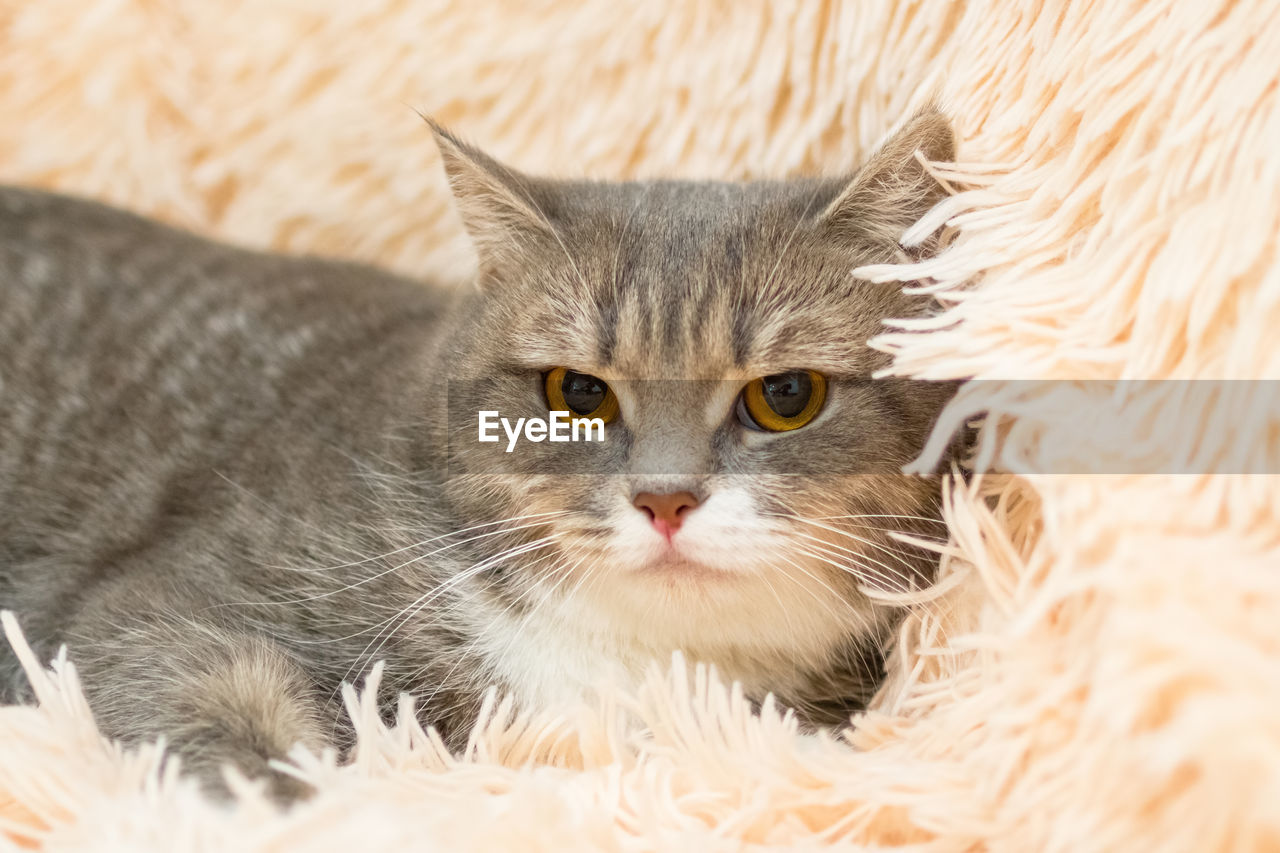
[(498, 205), (894, 189)]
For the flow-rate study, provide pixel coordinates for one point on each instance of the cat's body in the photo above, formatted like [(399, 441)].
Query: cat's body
[(229, 481)]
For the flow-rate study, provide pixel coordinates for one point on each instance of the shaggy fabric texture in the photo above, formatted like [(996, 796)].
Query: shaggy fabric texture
[(1099, 664)]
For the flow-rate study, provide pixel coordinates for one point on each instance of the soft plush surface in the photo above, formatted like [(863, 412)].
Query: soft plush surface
[(1099, 667)]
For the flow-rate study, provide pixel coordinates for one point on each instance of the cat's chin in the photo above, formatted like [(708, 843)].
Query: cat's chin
[(676, 568)]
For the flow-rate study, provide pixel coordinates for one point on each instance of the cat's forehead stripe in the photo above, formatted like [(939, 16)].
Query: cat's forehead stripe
[(607, 329), (740, 337)]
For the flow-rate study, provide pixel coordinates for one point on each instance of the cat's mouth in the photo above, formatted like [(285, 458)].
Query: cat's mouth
[(673, 565)]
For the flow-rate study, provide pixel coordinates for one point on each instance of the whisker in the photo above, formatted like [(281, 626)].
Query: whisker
[(383, 573), (443, 586), (882, 515), (835, 595), (431, 595), (459, 532), (862, 571), (444, 680), (852, 563), (860, 554), (899, 554), (453, 581)]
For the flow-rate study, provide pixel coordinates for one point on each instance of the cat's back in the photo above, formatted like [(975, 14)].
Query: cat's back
[(80, 280), (138, 361)]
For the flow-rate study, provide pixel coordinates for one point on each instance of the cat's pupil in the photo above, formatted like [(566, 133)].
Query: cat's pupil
[(583, 393), (788, 393)]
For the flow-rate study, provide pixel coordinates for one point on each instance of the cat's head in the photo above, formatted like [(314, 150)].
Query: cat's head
[(749, 477)]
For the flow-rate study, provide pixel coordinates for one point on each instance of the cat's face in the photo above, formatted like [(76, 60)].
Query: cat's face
[(748, 479)]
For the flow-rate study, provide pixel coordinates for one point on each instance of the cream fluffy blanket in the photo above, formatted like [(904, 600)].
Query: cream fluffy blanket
[(1099, 667)]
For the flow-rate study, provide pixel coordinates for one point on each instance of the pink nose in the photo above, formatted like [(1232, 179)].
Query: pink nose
[(667, 512)]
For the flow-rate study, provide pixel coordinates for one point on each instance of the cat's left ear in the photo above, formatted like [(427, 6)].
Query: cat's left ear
[(499, 206), (893, 190)]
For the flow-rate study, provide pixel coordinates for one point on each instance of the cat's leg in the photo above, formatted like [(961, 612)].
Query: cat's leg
[(218, 696)]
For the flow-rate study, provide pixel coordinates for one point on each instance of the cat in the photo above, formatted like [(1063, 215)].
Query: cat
[(230, 480)]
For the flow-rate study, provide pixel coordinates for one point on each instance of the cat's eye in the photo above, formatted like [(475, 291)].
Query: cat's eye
[(783, 401), (582, 394)]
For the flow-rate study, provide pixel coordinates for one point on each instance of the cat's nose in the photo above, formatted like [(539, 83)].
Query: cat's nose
[(667, 512)]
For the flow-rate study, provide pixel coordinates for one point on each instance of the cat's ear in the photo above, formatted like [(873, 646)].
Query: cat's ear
[(498, 205), (893, 190)]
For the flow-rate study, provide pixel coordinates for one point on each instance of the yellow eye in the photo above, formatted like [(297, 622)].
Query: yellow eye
[(580, 394), (783, 401)]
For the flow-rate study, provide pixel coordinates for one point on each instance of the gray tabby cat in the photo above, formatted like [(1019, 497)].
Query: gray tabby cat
[(230, 480)]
